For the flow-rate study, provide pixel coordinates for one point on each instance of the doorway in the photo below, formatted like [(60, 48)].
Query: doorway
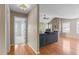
[(19, 30)]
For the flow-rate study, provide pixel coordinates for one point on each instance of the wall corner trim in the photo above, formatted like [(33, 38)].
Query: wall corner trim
[(36, 52)]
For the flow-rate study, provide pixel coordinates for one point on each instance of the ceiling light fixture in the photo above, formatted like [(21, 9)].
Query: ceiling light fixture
[(23, 6)]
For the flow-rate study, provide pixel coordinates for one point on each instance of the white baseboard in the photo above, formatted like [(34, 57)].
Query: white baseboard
[(36, 52)]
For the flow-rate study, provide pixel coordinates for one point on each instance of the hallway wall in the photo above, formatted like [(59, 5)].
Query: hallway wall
[(2, 30), (7, 22), (33, 35)]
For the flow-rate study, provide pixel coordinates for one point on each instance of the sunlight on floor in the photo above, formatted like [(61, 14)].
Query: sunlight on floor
[(66, 46)]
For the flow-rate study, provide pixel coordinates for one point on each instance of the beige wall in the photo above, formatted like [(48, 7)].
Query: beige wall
[(42, 27), (33, 30), (2, 29), (7, 22), (12, 24)]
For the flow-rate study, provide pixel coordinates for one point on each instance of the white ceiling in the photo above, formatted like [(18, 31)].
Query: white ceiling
[(52, 10), (14, 7), (59, 10)]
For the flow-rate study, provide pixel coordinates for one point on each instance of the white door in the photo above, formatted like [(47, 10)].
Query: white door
[(20, 30)]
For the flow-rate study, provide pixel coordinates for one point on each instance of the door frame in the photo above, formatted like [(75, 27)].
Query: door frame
[(26, 28)]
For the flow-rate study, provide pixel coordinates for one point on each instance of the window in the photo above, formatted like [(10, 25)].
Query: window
[(77, 27), (66, 27)]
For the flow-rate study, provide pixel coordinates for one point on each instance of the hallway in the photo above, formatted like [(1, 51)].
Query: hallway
[(21, 49), (65, 46)]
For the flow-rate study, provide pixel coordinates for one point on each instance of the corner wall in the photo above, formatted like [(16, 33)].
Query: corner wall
[(7, 27), (33, 31)]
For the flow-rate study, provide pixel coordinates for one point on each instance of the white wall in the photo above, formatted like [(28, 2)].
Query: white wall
[(7, 25), (42, 27), (33, 29), (2, 30)]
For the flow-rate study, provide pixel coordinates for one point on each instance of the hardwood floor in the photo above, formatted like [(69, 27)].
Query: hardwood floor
[(21, 50), (65, 46)]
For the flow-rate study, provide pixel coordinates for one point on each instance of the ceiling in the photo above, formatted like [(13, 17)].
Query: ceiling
[(69, 11), (14, 7)]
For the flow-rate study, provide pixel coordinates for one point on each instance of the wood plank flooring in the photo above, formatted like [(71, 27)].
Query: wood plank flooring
[(65, 46), (21, 50)]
